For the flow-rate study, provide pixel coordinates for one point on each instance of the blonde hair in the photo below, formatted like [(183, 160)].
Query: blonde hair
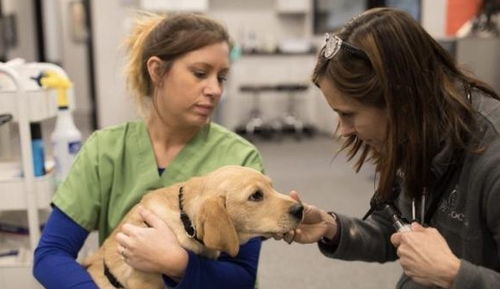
[(167, 37)]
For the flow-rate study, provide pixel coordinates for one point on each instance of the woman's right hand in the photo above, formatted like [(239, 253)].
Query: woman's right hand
[(315, 225)]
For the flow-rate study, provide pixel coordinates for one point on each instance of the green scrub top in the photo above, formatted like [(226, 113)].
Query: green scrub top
[(117, 166)]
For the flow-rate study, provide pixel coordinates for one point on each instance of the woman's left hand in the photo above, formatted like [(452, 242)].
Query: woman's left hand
[(154, 248), (426, 257)]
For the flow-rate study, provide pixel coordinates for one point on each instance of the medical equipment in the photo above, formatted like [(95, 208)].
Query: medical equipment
[(399, 223)]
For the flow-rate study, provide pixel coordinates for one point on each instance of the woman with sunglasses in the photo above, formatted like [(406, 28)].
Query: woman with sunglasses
[(433, 133)]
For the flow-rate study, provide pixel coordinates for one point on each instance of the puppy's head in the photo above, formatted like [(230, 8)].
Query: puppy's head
[(239, 203)]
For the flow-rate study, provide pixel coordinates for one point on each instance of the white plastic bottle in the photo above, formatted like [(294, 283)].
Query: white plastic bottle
[(66, 138), (66, 142)]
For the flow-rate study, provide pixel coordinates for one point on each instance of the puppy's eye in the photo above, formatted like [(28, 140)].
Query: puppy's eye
[(257, 196)]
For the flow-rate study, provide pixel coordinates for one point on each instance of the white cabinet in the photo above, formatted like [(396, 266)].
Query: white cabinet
[(12, 194), (25, 193), (174, 5), (292, 6)]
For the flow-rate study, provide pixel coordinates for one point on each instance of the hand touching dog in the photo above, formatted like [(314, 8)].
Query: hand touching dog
[(140, 245), (315, 225)]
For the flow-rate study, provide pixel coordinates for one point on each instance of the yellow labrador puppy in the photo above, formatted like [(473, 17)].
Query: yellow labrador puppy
[(209, 214)]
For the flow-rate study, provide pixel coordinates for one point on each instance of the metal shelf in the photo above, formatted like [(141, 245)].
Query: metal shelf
[(11, 193), (26, 102), (42, 104)]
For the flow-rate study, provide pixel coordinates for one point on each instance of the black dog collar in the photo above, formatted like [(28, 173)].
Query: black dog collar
[(186, 222), (111, 278)]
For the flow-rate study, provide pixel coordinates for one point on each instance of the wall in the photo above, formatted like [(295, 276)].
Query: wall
[(262, 17), (111, 21), (72, 54), (481, 56), (26, 43), (271, 27), (434, 17)]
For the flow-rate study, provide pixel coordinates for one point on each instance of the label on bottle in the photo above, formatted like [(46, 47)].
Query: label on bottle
[(74, 147), (64, 155)]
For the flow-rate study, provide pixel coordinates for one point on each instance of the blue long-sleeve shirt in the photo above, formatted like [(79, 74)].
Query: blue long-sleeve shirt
[(55, 265)]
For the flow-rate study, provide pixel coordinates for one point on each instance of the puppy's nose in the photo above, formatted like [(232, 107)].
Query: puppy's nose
[(296, 210)]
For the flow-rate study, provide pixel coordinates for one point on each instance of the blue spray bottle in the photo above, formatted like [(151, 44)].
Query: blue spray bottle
[(37, 149)]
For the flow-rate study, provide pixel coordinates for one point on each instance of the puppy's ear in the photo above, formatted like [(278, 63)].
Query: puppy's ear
[(215, 228)]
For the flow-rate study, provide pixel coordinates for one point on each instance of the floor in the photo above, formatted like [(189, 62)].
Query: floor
[(309, 167)]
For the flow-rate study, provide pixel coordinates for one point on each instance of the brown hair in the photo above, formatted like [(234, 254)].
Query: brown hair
[(416, 81), (167, 37)]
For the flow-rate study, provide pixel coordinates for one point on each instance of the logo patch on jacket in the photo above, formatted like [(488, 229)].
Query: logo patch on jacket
[(450, 207)]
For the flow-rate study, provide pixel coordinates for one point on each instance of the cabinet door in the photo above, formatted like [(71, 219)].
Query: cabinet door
[(292, 6), (174, 5)]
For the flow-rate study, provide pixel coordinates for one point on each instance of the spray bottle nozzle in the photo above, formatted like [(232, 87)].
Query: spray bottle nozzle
[(52, 79)]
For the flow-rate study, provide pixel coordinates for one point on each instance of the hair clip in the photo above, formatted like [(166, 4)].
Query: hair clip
[(333, 43)]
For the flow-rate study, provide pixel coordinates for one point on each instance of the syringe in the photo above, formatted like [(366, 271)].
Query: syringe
[(399, 223)]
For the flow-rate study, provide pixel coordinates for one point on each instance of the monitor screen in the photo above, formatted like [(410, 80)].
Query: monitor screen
[(330, 16)]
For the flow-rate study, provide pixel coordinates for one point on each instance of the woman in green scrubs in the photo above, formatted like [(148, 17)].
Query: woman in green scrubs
[(176, 70)]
